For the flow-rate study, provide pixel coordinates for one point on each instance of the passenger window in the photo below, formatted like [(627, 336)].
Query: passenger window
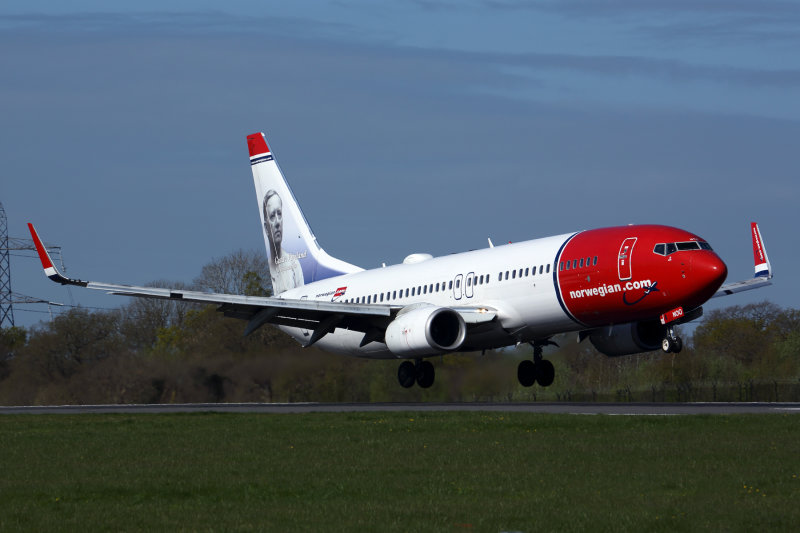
[(568, 263), (506, 275), (381, 296), (513, 274), (469, 281), (458, 284), (561, 265), (413, 291), (548, 268), (594, 263), (581, 262), (574, 263), (430, 287), (450, 285), (437, 286)]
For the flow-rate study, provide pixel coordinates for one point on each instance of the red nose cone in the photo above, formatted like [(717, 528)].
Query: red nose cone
[(708, 272)]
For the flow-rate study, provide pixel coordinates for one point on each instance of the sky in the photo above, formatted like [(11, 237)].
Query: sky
[(402, 127)]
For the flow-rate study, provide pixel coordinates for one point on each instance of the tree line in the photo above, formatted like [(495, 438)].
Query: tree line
[(158, 351)]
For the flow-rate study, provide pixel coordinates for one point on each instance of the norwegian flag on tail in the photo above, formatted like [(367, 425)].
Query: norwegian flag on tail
[(339, 293)]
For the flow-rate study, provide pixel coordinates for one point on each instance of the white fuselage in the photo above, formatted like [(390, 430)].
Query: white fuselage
[(525, 300)]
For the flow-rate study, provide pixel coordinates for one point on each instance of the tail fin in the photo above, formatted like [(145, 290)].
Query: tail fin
[(295, 257)]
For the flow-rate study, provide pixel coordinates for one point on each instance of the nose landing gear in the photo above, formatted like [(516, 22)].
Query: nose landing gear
[(539, 370), (671, 343)]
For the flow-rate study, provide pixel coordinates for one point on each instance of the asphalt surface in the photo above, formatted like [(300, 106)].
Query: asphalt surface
[(639, 409)]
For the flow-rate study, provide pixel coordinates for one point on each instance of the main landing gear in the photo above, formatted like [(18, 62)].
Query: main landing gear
[(671, 343), (420, 371), (539, 370)]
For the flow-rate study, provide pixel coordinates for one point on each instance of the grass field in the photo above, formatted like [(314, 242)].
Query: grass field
[(399, 472)]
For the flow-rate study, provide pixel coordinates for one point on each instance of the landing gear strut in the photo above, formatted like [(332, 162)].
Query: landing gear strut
[(421, 372), (671, 343), (539, 370)]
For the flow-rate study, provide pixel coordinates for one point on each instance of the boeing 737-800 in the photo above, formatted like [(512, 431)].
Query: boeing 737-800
[(624, 288)]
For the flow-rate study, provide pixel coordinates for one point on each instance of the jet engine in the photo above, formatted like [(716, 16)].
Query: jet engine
[(425, 330), (625, 339)]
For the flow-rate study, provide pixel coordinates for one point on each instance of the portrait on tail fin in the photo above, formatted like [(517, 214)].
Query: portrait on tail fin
[(284, 267)]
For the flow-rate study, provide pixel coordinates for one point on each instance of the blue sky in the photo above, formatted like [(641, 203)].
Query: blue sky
[(402, 127)]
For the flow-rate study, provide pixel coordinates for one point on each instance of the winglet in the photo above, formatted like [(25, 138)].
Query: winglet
[(47, 264), (763, 268)]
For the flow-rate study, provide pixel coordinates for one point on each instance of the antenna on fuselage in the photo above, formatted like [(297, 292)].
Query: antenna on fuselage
[(491, 244)]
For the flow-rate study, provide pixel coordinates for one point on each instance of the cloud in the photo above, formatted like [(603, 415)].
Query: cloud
[(723, 21), (127, 147)]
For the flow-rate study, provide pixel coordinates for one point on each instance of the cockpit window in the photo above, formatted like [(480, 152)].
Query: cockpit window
[(672, 247)]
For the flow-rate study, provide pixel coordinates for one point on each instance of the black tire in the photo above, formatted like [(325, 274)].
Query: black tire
[(545, 373), (526, 373), (425, 374), (677, 345), (406, 374)]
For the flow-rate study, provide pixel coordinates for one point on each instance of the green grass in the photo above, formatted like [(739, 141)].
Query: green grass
[(399, 472)]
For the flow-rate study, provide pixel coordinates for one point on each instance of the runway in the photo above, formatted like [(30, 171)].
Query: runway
[(629, 409)]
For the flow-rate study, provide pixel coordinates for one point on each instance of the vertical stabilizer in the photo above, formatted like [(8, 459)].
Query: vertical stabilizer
[(295, 258)]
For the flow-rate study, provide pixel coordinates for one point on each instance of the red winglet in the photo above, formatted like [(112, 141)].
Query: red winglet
[(760, 259), (257, 144), (44, 257)]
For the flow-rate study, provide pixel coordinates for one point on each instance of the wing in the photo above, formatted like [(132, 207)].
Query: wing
[(319, 316), (763, 268)]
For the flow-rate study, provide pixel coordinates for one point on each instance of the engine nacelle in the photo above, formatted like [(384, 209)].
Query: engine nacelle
[(425, 330), (626, 339)]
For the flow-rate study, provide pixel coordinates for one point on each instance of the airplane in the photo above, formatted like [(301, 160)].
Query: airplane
[(624, 288)]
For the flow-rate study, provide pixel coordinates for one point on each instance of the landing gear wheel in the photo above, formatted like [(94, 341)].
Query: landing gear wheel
[(672, 344), (425, 374), (406, 374), (666, 345), (545, 373), (526, 373), (677, 345)]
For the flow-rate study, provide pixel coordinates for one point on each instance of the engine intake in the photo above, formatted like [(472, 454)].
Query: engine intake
[(426, 330)]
